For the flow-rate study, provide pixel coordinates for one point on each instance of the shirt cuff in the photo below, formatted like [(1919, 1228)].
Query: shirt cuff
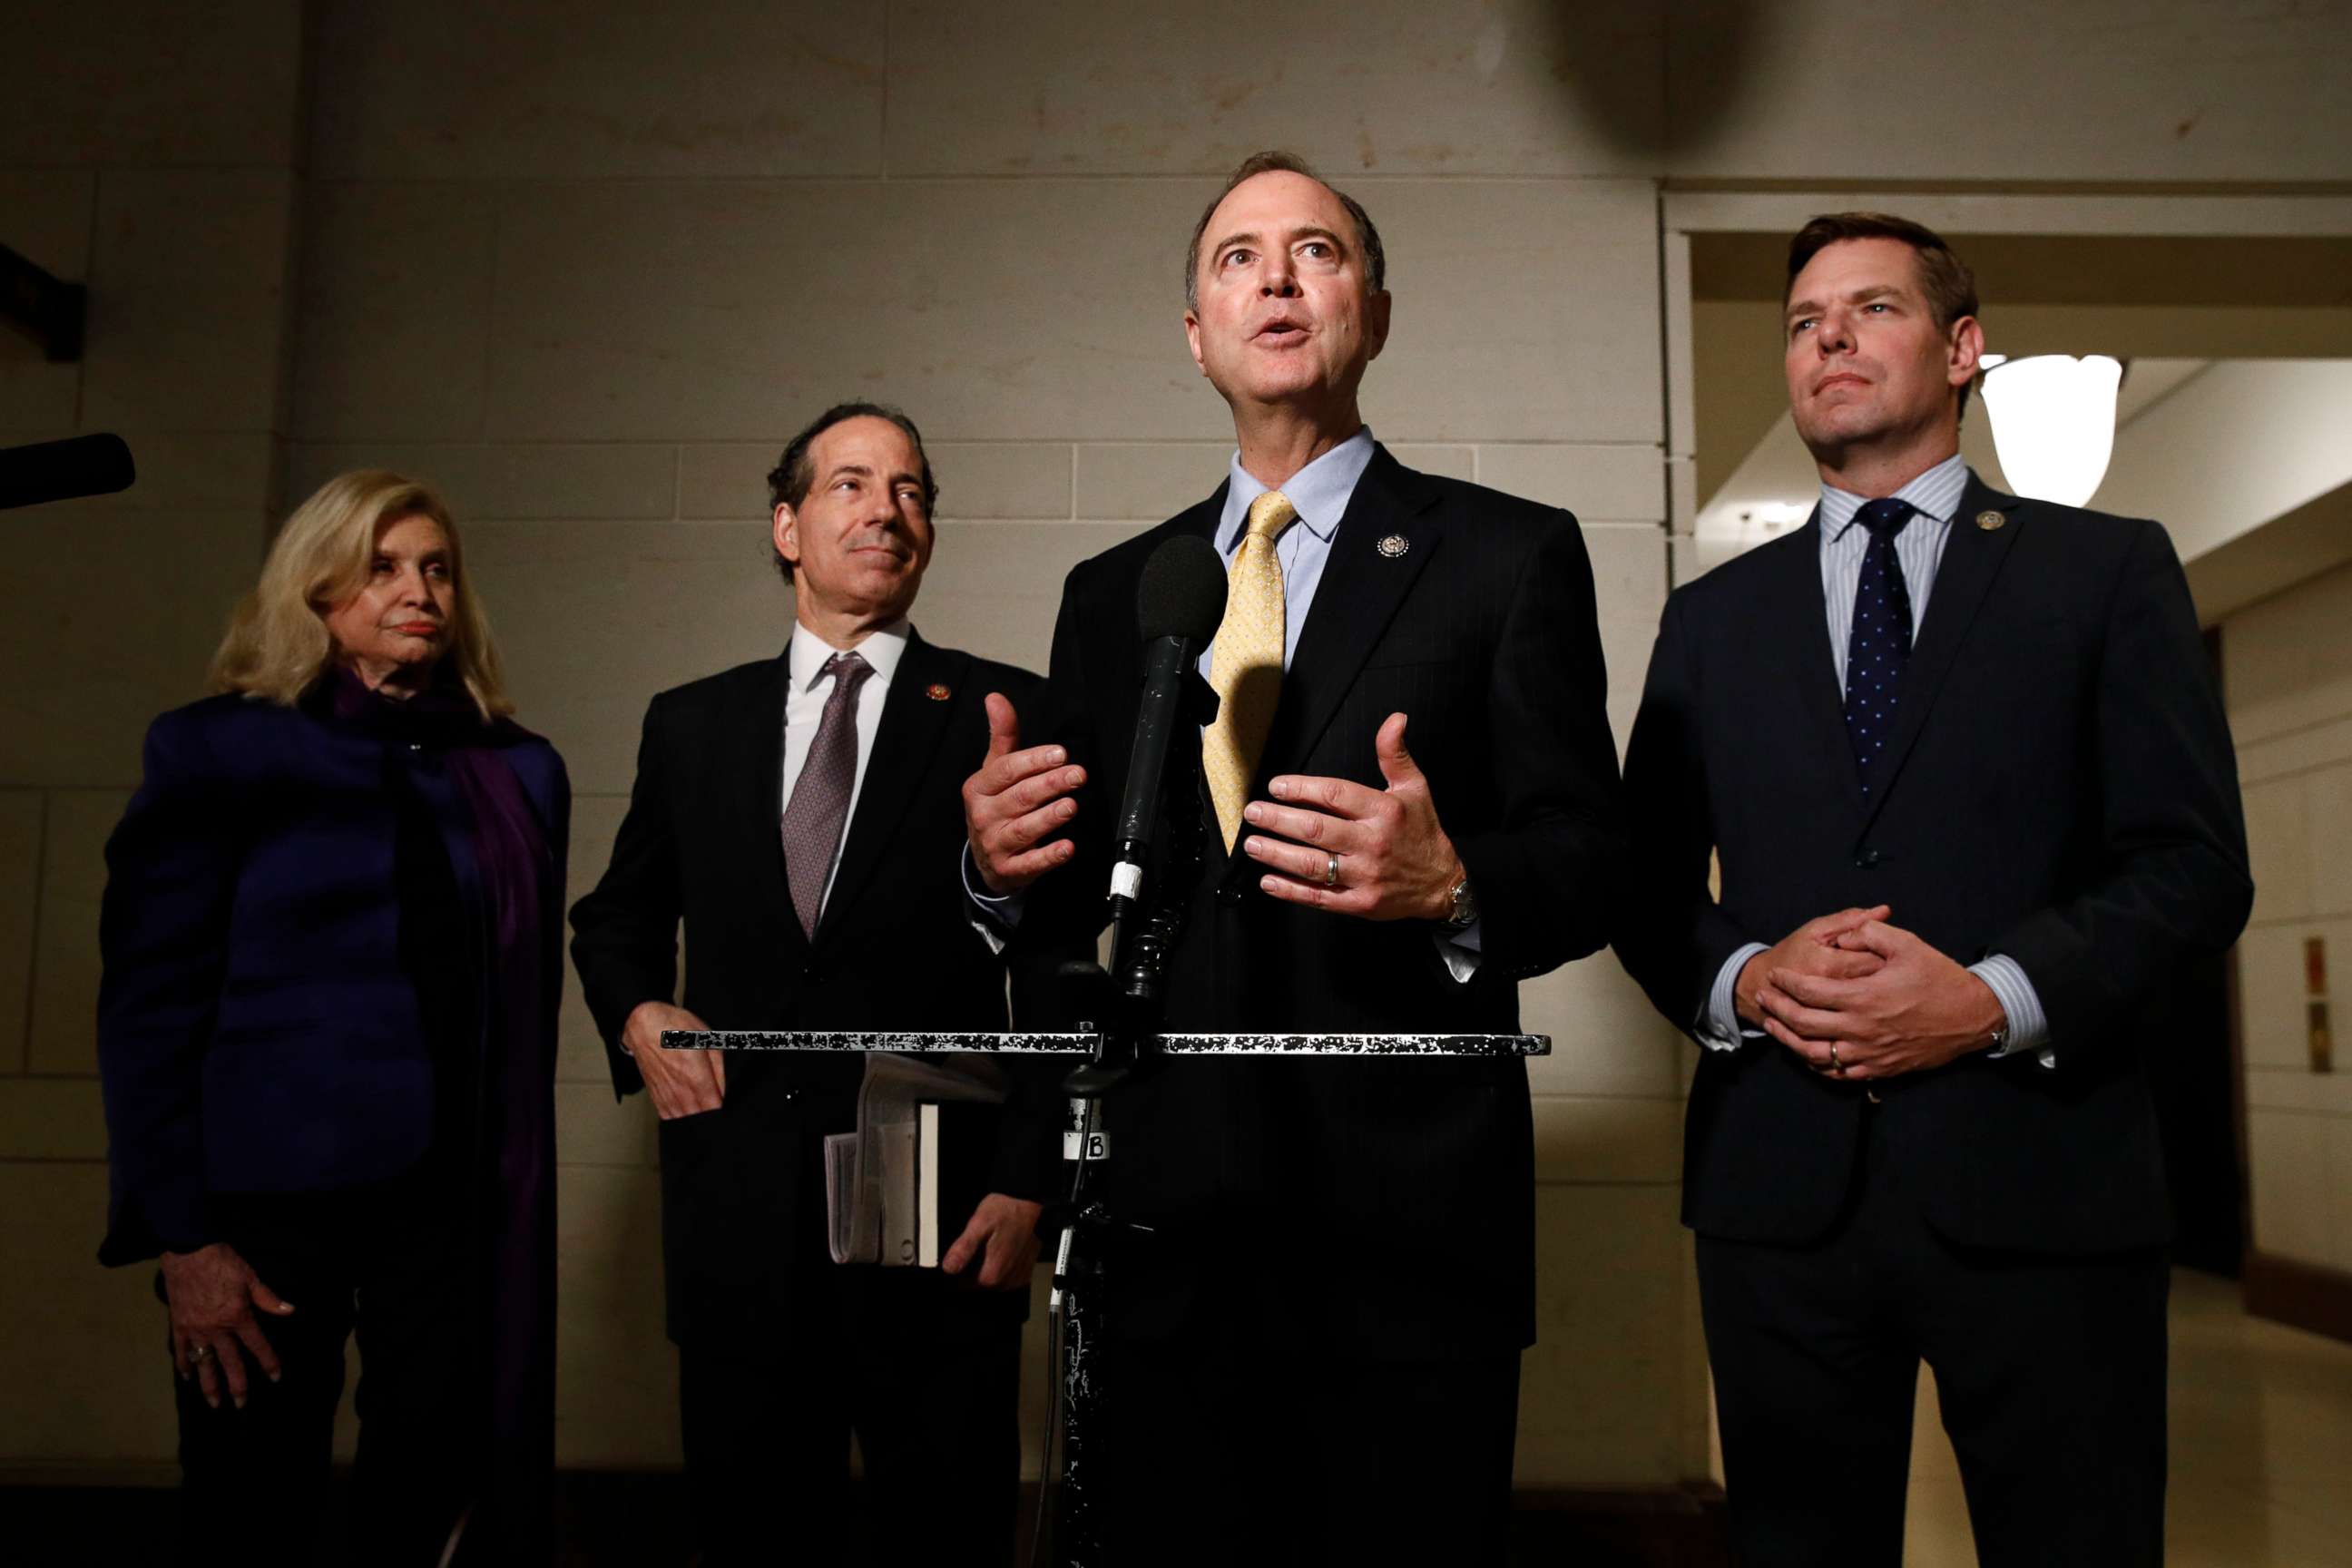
[(1462, 952), (996, 916), (1720, 1028), (2029, 1026)]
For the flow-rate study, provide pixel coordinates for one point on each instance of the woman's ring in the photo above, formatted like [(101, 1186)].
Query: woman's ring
[(200, 1353), (1330, 869)]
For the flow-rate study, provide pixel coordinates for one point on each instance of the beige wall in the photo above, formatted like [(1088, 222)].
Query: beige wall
[(2288, 676), (165, 176), (587, 265)]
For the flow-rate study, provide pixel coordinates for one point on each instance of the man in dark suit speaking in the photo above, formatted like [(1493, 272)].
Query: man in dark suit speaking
[(799, 818), (1410, 802), (1967, 779)]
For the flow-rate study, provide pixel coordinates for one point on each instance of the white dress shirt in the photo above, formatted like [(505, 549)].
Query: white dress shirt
[(807, 687)]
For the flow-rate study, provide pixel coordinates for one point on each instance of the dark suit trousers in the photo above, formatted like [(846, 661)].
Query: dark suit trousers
[(386, 1265), (767, 1425), (2050, 1371), (1282, 1451)]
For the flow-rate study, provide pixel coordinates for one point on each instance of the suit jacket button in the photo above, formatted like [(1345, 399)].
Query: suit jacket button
[(1866, 860)]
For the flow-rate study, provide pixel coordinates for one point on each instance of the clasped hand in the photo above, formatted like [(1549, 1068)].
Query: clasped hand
[(1857, 998), (1395, 862)]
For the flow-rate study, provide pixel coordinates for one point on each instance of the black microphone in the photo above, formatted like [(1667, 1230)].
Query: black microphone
[(1178, 606), (61, 470)]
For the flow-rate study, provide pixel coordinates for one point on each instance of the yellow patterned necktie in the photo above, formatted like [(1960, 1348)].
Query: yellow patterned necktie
[(1246, 666)]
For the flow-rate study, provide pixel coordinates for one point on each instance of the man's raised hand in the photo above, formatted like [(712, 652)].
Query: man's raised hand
[(1016, 800), (1002, 1234)]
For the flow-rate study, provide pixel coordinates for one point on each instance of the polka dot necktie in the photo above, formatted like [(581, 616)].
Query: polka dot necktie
[(1880, 640), (1246, 664), (819, 807)]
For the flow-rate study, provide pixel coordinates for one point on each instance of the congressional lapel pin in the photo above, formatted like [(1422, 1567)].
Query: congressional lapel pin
[(937, 692), (1394, 545), (1990, 520)]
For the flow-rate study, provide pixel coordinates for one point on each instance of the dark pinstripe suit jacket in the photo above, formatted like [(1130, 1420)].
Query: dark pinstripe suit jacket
[(1390, 1199)]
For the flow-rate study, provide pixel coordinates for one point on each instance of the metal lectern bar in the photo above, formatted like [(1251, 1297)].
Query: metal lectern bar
[(1079, 1045)]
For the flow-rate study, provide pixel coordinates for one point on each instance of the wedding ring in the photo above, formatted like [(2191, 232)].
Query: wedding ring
[(1836, 1065), (1330, 869), (200, 1353)]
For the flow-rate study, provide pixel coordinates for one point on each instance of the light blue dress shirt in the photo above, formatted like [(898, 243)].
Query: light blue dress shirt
[(1935, 495)]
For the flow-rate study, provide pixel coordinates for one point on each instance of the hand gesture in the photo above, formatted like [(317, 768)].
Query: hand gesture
[(1015, 800), (212, 1293), (680, 1083), (1379, 855)]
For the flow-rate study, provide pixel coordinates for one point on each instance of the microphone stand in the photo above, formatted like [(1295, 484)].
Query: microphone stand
[(1122, 1010)]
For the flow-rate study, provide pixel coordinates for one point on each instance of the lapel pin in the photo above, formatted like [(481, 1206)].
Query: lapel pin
[(937, 692), (1394, 545), (1990, 520)]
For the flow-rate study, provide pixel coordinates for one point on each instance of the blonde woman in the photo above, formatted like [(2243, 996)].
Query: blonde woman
[(327, 1037)]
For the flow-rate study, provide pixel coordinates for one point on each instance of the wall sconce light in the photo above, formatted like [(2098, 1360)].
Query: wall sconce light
[(2053, 422)]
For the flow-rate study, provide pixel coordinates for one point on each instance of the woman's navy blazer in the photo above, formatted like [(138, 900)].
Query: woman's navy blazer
[(257, 1030)]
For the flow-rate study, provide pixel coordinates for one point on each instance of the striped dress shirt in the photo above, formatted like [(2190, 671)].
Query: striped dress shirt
[(1934, 496)]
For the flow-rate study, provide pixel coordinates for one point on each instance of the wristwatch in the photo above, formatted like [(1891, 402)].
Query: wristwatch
[(1465, 906)]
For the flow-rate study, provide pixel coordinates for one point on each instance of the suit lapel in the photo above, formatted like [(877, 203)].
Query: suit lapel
[(913, 724), (1972, 558), (1798, 618), (751, 767)]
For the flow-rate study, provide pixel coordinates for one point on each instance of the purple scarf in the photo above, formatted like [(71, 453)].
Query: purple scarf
[(505, 870)]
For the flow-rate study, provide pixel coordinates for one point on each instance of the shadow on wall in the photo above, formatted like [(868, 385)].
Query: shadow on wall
[(1650, 79)]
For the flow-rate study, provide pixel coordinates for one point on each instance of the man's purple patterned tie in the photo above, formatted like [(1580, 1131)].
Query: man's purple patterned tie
[(1879, 645), (820, 803)]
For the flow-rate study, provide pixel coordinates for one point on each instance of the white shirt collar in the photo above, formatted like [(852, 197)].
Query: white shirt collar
[(807, 652)]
